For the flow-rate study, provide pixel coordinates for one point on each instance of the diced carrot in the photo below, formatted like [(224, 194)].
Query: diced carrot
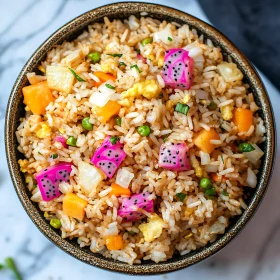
[(203, 138), (108, 111), (114, 242), (243, 119), (103, 77), (74, 206), (117, 190), (216, 178), (37, 97)]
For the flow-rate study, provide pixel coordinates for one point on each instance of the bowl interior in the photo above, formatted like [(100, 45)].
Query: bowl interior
[(15, 111)]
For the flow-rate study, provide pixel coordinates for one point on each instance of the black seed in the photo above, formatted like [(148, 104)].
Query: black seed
[(174, 157), (99, 163), (98, 156), (131, 214), (116, 155), (174, 162), (109, 172), (144, 195), (150, 193), (177, 153), (64, 176), (144, 207), (125, 218), (60, 172), (135, 201), (48, 196), (47, 192), (129, 198), (181, 160), (180, 51), (46, 169), (44, 186), (45, 176), (145, 200), (176, 80), (61, 180), (182, 165), (105, 146)]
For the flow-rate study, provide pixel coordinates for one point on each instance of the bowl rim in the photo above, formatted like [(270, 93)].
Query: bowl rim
[(110, 264)]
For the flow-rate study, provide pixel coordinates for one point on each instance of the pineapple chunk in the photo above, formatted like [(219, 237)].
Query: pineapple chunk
[(60, 78), (152, 229), (89, 177)]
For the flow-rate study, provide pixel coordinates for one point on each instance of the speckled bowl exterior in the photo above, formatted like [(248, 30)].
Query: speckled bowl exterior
[(15, 110)]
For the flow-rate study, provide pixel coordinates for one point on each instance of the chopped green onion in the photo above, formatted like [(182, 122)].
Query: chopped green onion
[(159, 179), (86, 124), (71, 141), (165, 138), (135, 66), (144, 130), (205, 183), (118, 121), (138, 51), (35, 186), (181, 196), (40, 153), (76, 75), (9, 263), (212, 106), (161, 95), (122, 64), (245, 147), (182, 108), (54, 156), (147, 41), (131, 232), (225, 193), (115, 54), (55, 223), (169, 39), (110, 86), (114, 140), (94, 56), (210, 191), (222, 158)]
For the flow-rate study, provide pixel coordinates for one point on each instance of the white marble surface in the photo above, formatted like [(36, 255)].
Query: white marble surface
[(254, 254)]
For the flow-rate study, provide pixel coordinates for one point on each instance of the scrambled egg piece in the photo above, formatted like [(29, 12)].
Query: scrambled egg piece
[(226, 112), (109, 66), (161, 60), (170, 104), (23, 163), (186, 99), (153, 228), (188, 236), (189, 211), (149, 89), (61, 130), (44, 132)]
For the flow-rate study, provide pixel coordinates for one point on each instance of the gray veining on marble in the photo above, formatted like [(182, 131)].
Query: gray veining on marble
[(253, 255)]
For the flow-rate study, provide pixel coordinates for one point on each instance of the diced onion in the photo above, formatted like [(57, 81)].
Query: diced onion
[(201, 94), (211, 168), (103, 96), (195, 52), (251, 178), (124, 178), (163, 35), (191, 46), (255, 155), (205, 158)]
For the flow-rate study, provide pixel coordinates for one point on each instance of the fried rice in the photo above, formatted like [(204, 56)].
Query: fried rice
[(187, 224)]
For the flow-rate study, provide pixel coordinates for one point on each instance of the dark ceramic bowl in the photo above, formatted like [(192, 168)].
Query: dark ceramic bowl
[(69, 31)]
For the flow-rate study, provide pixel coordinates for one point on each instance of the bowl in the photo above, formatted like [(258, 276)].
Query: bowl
[(15, 111)]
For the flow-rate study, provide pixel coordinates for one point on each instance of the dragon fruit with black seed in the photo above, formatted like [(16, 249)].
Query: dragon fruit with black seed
[(174, 157), (177, 70), (109, 156), (131, 207), (49, 179)]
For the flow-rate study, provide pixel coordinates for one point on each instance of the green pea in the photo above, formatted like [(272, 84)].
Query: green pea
[(118, 121), (210, 191), (86, 124), (94, 56), (71, 141), (55, 223), (212, 106), (205, 183), (147, 41), (144, 130), (114, 139), (245, 147)]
